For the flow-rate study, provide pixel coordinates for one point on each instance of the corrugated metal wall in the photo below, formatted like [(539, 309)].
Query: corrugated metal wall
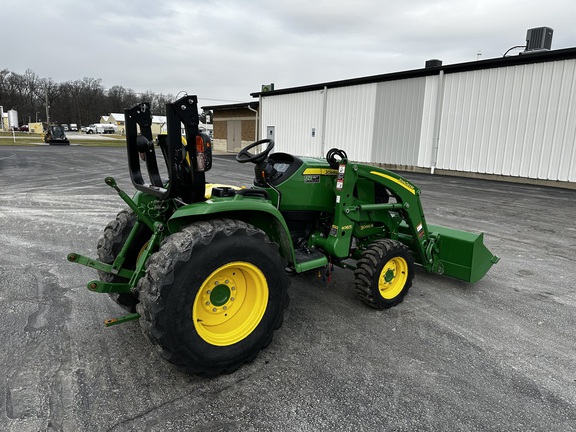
[(398, 122), (511, 121), (294, 117), (428, 132), (300, 119), (350, 120)]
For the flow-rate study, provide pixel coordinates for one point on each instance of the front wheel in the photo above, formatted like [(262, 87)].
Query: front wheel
[(384, 274), (109, 246), (213, 295)]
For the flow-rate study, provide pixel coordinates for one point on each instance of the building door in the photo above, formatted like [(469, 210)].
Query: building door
[(234, 141)]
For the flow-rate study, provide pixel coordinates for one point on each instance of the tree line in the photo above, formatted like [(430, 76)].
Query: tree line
[(82, 101)]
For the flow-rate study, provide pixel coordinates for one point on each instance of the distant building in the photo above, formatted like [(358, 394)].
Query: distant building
[(234, 126), (118, 120)]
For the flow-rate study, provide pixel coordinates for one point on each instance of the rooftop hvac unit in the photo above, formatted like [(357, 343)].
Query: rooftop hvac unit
[(539, 38), (267, 88), (432, 63)]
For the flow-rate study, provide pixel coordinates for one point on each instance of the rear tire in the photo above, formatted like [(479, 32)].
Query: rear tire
[(384, 274), (109, 246), (213, 295)]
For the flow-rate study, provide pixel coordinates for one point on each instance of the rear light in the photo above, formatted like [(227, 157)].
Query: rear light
[(200, 159), (203, 153)]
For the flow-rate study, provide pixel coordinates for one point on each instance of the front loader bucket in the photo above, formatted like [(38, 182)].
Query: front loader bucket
[(59, 142), (463, 254)]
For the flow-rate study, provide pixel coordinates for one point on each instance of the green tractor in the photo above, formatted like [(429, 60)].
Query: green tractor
[(206, 268)]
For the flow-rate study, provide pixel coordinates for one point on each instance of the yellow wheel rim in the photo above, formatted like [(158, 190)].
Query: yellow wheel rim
[(393, 278), (230, 303)]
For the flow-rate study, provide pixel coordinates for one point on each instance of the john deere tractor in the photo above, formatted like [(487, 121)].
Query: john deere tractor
[(206, 268)]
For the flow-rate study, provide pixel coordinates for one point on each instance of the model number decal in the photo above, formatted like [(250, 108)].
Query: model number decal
[(320, 171), (400, 182), (312, 179)]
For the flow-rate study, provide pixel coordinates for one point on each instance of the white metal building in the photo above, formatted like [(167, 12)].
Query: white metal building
[(513, 117)]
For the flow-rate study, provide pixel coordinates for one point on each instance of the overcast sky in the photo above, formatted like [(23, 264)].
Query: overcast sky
[(223, 50)]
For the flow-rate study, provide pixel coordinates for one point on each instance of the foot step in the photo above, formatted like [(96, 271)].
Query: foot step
[(307, 255)]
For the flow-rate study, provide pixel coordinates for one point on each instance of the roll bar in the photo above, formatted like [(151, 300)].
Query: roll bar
[(186, 160)]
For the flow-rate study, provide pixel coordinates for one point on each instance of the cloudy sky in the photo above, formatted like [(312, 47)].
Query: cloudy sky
[(222, 50)]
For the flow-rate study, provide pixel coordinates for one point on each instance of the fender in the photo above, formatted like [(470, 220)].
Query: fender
[(253, 210)]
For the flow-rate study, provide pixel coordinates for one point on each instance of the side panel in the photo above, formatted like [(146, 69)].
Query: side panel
[(310, 188)]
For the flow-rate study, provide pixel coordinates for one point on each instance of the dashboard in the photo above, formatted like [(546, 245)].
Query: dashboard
[(285, 165)]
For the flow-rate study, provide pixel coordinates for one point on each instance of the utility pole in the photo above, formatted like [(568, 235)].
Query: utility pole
[(47, 109)]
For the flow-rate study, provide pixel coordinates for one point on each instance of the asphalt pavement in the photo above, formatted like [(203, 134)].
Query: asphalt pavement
[(498, 355)]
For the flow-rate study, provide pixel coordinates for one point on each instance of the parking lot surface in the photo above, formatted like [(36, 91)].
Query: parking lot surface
[(498, 355)]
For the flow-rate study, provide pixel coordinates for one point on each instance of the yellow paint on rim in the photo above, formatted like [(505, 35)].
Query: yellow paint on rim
[(393, 277), (230, 303), (399, 182)]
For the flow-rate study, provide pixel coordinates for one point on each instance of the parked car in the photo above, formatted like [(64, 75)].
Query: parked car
[(73, 127), (24, 128)]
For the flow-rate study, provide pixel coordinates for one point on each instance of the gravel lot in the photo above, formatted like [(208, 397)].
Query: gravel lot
[(498, 355)]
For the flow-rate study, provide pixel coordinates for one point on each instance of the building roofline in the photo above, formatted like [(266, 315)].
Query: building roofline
[(524, 58), (253, 105)]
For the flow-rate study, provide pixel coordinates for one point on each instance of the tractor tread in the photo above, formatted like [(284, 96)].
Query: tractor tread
[(366, 273), (109, 245), (156, 286)]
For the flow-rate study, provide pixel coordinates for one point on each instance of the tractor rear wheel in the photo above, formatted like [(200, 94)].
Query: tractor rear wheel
[(213, 295), (109, 246), (384, 274)]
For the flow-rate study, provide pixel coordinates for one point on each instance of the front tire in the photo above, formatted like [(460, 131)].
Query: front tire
[(384, 274), (213, 295), (109, 246)]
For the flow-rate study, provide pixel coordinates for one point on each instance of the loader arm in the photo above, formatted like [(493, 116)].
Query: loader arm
[(439, 250), (351, 212)]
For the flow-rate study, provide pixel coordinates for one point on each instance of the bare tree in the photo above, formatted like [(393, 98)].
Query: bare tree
[(81, 101)]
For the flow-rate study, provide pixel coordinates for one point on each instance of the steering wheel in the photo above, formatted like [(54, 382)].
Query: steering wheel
[(331, 157), (244, 155)]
